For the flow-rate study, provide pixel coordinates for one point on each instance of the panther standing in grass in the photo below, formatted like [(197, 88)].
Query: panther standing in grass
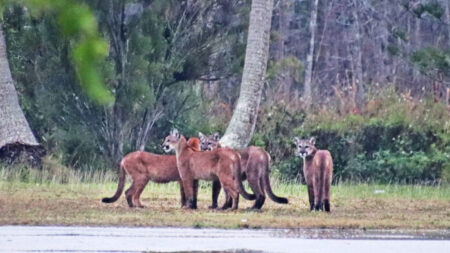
[(144, 166), (255, 164), (221, 164), (318, 172)]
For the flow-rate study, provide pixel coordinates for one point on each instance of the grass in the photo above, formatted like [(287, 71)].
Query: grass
[(42, 200)]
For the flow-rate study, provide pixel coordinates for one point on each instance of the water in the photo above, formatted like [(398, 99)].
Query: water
[(124, 239)]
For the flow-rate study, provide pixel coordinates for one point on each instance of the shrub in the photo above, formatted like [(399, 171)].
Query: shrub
[(400, 143)]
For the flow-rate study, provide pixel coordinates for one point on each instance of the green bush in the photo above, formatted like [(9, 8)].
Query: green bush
[(402, 143)]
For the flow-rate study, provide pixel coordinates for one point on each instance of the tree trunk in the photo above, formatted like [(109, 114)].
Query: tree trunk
[(147, 124), (15, 133), (360, 92), (417, 40), (240, 130), (447, 10), (117, 20), (307, 96)]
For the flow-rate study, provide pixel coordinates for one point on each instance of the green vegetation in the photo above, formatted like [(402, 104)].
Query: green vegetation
[(154, 58), (38, 201), (432, 61), (172, 65), (398, 140), (77, 23)]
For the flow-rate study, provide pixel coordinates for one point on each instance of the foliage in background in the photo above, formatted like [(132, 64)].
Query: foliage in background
[(399, 141), (432, 61), (178, 63), (87, 49), (153, 65)]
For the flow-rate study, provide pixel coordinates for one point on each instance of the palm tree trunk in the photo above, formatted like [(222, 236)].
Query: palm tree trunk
[(240, 130), (15, 133)]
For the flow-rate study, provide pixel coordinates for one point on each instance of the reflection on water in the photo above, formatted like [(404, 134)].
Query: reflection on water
[(126, 239)]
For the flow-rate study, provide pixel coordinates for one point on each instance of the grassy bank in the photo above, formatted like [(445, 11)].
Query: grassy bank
[(353, 206)]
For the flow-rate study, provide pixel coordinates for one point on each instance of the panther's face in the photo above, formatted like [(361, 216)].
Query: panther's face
[(305, 147), (171, 141), (209, 142)]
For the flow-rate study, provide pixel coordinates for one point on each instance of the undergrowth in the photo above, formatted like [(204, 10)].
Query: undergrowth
[(392, 139)]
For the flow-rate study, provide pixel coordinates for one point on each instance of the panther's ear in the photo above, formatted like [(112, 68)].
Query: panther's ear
[(216, 136), (296, 140), (201, 136), (312, 140), (175, 133)]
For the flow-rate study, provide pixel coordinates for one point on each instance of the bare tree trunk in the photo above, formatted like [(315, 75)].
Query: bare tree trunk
[(147, 124), (307, 96), (117, 20), (240, 130), (417, 39), (360, 93), (447, 9), (15, 133)]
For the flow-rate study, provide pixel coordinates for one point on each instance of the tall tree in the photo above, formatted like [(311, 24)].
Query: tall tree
[(357, 56), (242, 124), (14, 129), (307, 96), (447, 10)]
